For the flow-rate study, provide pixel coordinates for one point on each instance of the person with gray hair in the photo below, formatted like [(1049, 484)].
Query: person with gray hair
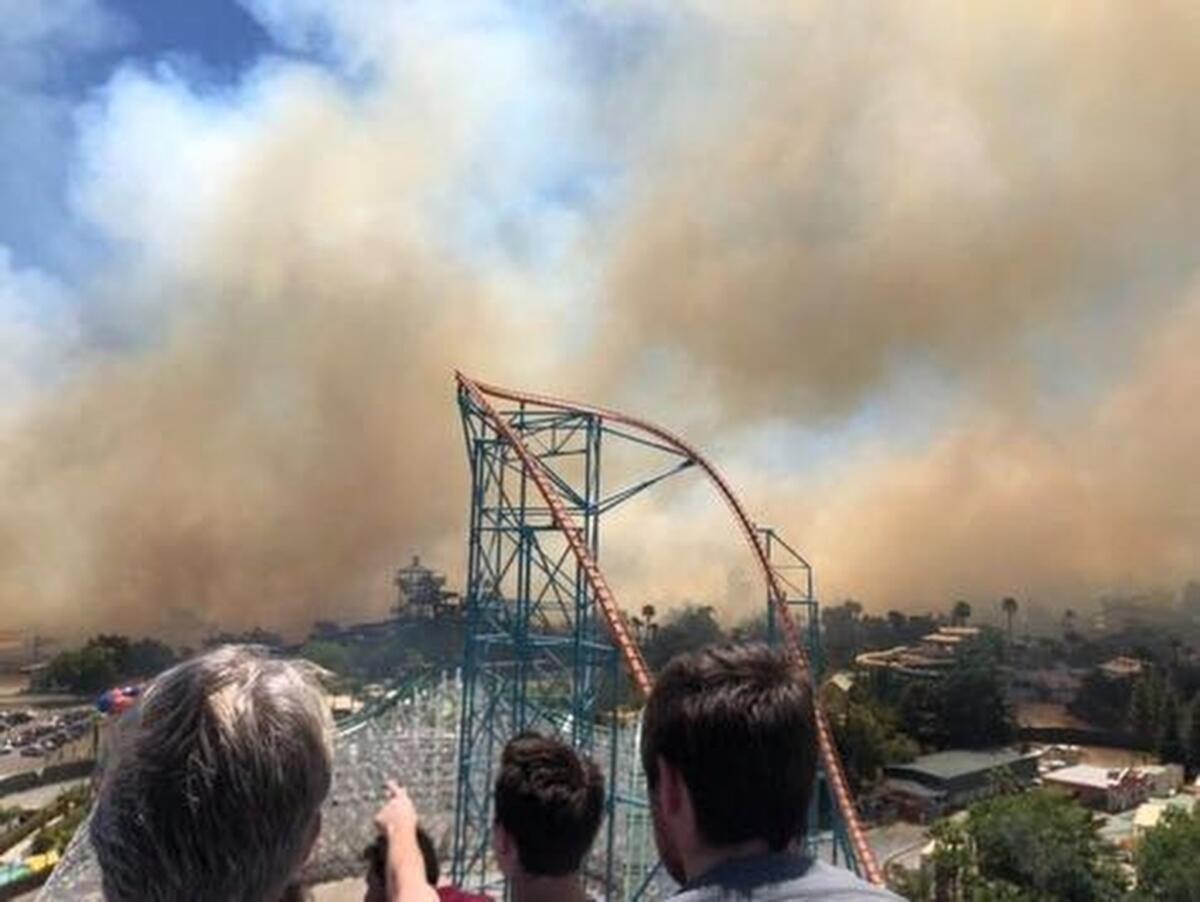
[(216, 787)]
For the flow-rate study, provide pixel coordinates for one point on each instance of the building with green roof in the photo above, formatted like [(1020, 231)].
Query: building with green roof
[(933, 784)]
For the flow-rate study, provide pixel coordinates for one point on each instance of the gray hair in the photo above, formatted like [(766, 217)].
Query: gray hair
[(216, 788)]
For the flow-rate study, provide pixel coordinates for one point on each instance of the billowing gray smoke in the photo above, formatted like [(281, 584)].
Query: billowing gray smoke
[(946, 257)]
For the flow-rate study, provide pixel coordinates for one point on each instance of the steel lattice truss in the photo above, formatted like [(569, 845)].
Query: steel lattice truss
[(545, 632)]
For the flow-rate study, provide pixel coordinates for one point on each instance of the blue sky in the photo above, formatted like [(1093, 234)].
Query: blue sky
[(219, 34), (70, 50)]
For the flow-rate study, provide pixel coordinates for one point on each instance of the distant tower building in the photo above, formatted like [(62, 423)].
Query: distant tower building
[(421, 592)]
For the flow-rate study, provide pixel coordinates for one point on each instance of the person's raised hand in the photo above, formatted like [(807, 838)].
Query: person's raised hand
[(398, 815)]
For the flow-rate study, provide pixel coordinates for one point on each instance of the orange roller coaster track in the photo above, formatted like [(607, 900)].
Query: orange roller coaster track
[(482, 395)]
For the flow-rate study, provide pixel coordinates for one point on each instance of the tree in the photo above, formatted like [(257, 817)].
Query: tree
[(974, 710), (868, 738), (104, 661), (1193, 734), (330, 655), (684, 629), (1009, 605), (648, 615), (966, 708), (148, 657), (1044, 843), (921, 712), (951, 860), (1028, 846), (92, 668), (1068, 623), (255, 636), (1190, 597), (1145, 705), (1166, 859), (1102, 701), (638, 626), (1170, 737), (960, 613), (325, 629)]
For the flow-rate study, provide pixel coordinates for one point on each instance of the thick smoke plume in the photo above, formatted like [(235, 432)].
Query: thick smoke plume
[(940, 265)]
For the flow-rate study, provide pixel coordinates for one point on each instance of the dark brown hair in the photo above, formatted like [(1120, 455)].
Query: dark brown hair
[(737, 722), (550, 800), (375, 855)]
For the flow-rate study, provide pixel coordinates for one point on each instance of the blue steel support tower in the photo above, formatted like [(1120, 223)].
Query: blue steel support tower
[(537, 656), (546, 643)]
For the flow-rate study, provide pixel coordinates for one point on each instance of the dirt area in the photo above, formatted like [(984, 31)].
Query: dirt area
[(13, 683), (1047, 714)]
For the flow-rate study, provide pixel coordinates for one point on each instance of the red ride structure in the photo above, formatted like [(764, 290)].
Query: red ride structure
[(545, 633)]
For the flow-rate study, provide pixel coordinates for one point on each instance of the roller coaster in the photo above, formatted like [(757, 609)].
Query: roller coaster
[(547, 648), (542, 614)]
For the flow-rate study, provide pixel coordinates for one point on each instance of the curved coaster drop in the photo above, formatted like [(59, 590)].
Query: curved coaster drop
[(545, 632)]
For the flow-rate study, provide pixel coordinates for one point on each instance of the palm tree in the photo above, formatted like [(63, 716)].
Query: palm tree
[(1069, 624), (636, 623), (961, 613), (1009, 604)]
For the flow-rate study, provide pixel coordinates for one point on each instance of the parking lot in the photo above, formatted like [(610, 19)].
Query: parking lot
[(31, 738)]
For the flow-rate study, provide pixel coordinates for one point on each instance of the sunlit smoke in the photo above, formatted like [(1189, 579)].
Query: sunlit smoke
[(940, 265)]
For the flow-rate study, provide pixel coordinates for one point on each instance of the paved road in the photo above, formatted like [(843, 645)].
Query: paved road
[(40, 796), (898, 842)]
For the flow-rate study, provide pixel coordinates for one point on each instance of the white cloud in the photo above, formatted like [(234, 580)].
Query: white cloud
[(37, 331)]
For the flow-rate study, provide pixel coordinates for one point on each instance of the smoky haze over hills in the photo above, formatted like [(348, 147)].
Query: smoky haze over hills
[(925, 284)]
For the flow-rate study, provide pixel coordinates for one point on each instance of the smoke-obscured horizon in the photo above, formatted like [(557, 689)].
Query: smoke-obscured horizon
[(923, 282)]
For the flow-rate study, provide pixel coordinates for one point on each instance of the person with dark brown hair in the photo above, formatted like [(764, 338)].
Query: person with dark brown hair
[(376, 857), (549, 804), (729, 748)]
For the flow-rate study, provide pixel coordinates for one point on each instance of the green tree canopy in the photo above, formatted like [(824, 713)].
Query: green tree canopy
[(868, 737), (966, 708), (1044, 844), (1192, 742), (1170, 735), (330, 655), (1168, 859), (1034, 847), (683, 629), (104, 661), (1145, 705), (961, 612)]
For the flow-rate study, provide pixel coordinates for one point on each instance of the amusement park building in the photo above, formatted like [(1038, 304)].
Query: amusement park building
[(934, 784)]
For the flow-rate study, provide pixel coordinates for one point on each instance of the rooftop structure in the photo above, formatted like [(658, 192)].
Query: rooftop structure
[(934, 784), (1103, 788), (932, 655), (1148, 815), (422, 592), (1165, 779), (1122, 668)]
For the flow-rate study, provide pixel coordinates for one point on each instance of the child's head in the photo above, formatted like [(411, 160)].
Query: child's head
[(549, 803)]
